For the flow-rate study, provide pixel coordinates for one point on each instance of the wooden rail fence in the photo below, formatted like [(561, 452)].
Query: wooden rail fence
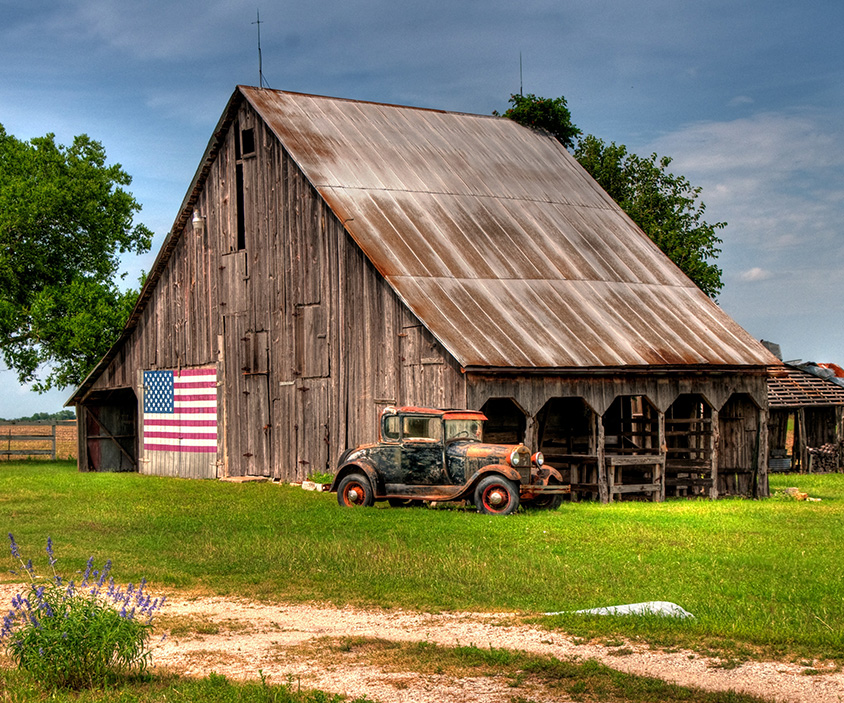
[(34, 438)]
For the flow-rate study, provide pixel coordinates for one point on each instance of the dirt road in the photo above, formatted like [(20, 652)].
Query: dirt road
[(244, 637)]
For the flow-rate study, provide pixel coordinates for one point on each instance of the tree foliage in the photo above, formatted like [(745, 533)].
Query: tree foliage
[(549, 114), (65, 218), (664, 205)]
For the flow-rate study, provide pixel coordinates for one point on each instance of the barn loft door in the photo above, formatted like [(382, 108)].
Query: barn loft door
[(248, 429)]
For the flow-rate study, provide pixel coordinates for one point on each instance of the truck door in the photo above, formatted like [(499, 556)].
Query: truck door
[(422, 459)]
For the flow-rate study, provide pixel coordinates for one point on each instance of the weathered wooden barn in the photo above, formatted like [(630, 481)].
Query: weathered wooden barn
[(332, 257), (805, 398)]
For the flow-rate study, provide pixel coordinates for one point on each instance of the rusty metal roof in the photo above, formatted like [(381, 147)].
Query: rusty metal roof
[(793, 387), (499, 242)]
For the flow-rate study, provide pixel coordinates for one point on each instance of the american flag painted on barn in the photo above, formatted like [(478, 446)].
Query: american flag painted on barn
[(180, 411)]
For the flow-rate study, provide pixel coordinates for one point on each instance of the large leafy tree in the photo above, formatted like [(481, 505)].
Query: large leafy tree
[(65, 217), (666, 206)]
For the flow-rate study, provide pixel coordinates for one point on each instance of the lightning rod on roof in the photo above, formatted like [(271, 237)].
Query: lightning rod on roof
[(261, 82), (521, 82)]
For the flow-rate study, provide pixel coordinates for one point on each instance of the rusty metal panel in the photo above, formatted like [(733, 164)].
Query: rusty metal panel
[(497, 239), (793, 387)]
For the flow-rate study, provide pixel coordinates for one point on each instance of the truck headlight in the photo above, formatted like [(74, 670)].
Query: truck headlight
[(538, 459), (514, 457)]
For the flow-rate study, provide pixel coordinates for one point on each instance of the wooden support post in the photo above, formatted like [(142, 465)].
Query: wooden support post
[(531, 434), (603, 490), (53, 441), (659, 470), (82, 463), (715, 440), (762, 490), (800, 437)]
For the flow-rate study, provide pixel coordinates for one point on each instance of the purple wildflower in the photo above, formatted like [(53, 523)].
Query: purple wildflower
[(104, 574), (15, 551), (50, 551), (87, 573)]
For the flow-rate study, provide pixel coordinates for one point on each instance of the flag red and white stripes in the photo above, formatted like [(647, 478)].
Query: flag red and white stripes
[(180, 410)]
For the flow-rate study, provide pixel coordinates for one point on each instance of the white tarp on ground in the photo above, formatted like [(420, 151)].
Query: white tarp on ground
[(653, 607)]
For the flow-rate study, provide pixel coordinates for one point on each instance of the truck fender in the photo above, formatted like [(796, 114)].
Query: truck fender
[(360, 467), (546, 473), (469, 487)]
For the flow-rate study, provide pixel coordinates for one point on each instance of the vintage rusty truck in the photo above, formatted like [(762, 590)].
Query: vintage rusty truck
[(424, 454)]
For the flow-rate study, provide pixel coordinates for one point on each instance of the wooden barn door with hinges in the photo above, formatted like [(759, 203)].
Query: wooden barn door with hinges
[(248, 429)]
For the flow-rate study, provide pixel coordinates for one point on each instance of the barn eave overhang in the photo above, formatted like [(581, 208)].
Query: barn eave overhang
[(707, 370)]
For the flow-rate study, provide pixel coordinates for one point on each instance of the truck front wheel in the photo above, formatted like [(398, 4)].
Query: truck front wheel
[(496, 495), (355, 491)]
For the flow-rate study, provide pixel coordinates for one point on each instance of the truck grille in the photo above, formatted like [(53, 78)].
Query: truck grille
[(524, 465)]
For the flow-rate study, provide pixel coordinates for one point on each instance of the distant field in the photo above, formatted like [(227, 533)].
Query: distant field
[(65, 440)]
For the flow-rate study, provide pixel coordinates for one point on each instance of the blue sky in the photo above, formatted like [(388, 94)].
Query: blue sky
[(747, 98)]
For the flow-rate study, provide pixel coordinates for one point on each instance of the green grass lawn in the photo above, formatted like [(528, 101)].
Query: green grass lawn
[(758, 575)]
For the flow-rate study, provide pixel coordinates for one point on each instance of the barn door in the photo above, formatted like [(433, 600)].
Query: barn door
[(312, 430), (738, 447), (248, 427)]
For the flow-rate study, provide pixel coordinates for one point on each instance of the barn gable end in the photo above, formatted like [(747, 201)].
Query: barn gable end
[(321, 281)]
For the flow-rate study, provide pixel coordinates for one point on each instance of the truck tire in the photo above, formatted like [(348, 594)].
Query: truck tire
[(496, 495), (355, 491)]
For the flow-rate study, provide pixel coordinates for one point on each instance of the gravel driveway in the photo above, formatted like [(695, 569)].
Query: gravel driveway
[(252, 636)]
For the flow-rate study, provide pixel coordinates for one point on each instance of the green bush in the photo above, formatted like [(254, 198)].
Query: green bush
[(69, 635)]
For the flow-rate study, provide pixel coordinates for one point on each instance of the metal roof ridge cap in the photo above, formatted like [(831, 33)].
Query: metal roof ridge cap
[(250, 88)]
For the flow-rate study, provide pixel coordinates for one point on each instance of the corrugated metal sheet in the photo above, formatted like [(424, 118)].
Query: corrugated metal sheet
[(497, 239), (792, 387)]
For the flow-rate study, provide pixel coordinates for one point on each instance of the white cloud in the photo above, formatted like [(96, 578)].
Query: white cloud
[(755, 274), (775, 178)]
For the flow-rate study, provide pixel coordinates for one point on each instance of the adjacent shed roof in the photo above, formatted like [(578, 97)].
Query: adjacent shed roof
[(497, 239), (794, 387)]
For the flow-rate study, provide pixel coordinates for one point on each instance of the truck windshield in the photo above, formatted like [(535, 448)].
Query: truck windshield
[(464, 429)]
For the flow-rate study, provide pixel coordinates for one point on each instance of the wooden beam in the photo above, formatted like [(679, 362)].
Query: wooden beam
[(714, 457)]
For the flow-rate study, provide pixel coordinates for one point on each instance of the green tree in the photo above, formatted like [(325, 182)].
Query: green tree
[(65, 218), (666, 206), (549, 114)]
